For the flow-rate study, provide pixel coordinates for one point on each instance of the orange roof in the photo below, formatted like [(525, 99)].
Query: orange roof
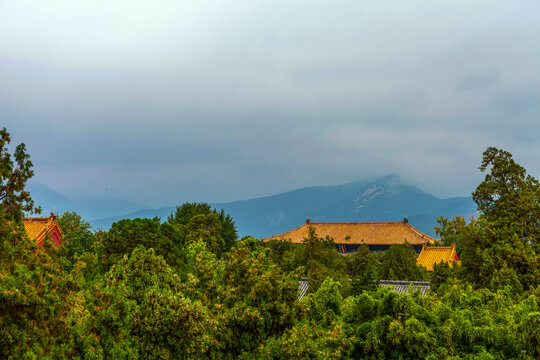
[(431, 255), (371, 233), (38, 227)]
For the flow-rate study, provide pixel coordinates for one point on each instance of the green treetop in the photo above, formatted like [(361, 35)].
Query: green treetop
[(508, 197), (224, 232), (14, 173), (500, 248)]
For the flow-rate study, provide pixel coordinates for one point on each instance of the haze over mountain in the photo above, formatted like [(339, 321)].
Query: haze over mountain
[(216, 100), (53, 201), (385, 198), (380, 199)]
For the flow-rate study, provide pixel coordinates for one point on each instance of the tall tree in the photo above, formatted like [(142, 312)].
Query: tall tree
[(362, 269), (125, 235), (501, 247), (182, 216), (78, 239), (34, 288), (399, 263), (320, 258), (207, 228), (509, 197), (451, 231), (14, 173), (71, 222)]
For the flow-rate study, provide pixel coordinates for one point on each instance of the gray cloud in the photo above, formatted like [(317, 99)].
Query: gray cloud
[(221, 100), (479, 81)]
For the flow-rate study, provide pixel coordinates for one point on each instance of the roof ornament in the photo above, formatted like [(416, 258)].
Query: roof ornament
[(308, 221), (405, 220)]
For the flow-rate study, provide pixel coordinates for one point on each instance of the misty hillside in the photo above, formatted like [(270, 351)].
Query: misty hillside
[(381, 199), (52, 201)]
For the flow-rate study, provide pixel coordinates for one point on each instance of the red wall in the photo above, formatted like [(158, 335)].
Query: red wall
[(56, 236)]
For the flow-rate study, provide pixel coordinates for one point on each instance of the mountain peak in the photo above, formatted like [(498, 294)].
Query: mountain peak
[(392, 179)]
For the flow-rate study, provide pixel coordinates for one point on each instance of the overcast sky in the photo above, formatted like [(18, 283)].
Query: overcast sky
[(160, 102)]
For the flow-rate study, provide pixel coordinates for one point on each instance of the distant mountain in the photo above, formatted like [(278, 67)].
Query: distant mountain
[(52, 201), (105, 223), (101, 207), (380, 199), (48, 199)]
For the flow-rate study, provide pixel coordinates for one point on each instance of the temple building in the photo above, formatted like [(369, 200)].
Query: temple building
[(349, 236), (431, 255), (38, 228)]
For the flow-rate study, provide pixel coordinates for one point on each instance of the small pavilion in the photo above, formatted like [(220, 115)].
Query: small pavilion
[(431, 255)]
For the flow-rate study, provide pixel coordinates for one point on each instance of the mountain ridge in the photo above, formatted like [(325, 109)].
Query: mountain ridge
[(376, 199), (52, 201)]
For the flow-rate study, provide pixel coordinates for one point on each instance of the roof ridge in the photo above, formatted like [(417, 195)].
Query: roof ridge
[(45, 225), (428, 257), (418, 232), (357, 232), (282, 236), (357, 222)]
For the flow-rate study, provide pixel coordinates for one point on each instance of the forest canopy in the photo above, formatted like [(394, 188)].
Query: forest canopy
[(188, 288)]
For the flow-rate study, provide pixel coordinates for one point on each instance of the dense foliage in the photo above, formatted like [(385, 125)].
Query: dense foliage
[(199, 220), (126, 235), (500, 247), (14, 199), (187, 289)]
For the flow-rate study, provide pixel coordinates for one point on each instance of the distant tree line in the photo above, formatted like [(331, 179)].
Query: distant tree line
[(188, 288)]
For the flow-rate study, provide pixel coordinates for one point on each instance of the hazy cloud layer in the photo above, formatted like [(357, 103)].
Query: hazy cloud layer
[(161, 102)]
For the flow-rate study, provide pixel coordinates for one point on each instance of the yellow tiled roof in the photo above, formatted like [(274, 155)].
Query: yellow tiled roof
[(371, 233), (431, 255), (38, 227)]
